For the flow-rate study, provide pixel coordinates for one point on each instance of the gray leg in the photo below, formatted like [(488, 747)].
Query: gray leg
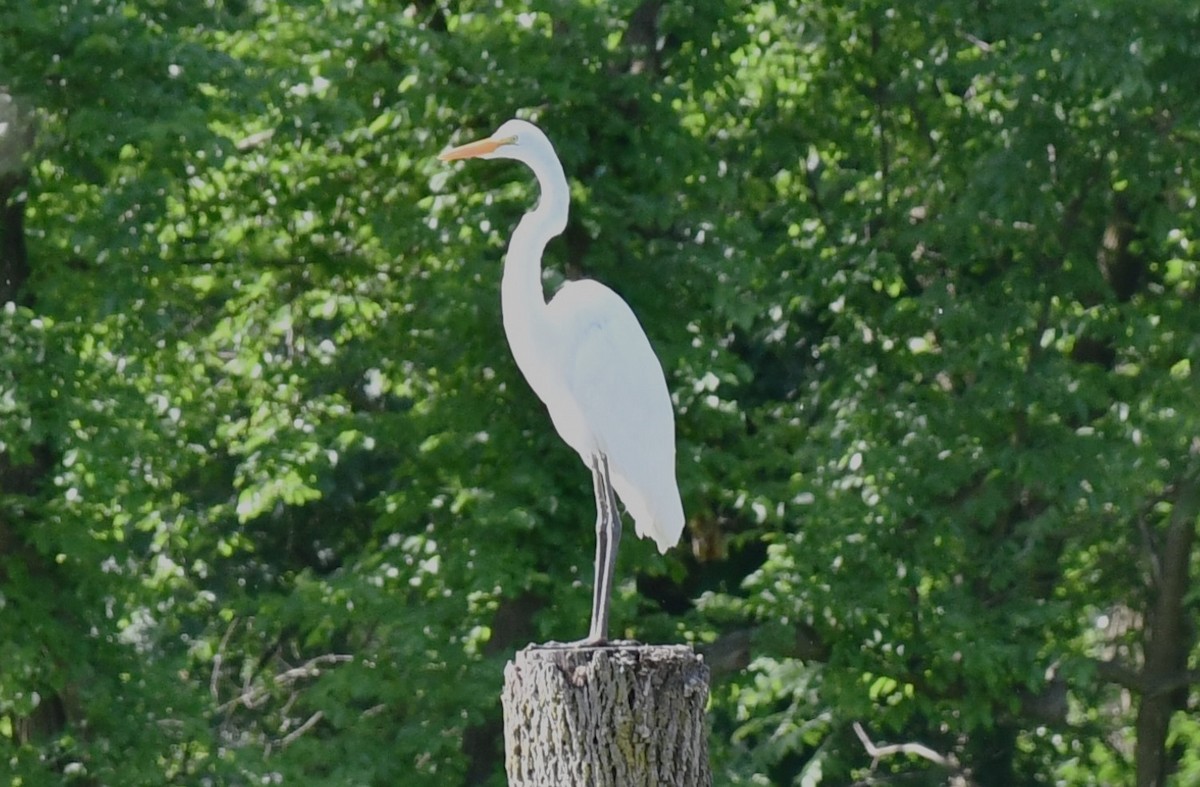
[(601, 548), (608, 537)]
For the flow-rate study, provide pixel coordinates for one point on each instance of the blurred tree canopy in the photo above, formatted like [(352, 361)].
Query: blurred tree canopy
[(276, 506)]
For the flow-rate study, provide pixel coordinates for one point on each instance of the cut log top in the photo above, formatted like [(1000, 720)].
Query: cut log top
[(618, 655), (622, 714)]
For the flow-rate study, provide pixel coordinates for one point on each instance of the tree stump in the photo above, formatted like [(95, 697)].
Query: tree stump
[(620, 715)]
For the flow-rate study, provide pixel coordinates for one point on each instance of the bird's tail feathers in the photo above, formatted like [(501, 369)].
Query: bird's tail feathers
[(660, 519)]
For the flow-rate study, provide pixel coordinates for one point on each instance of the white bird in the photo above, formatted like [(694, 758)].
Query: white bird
[(587, 358)]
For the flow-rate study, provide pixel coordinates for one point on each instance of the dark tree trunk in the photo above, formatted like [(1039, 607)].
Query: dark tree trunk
[(16, 139), (14, 264), (1168, 639)]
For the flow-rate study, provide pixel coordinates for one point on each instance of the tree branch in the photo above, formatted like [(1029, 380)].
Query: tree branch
[(290, 738), (877, 753), (219, 660), (253, 695), (1167, 639)]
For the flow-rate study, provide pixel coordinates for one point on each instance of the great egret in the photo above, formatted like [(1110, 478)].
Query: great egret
[(587, 358)]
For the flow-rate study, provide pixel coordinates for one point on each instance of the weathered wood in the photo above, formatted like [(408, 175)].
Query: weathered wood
[(622, 715)]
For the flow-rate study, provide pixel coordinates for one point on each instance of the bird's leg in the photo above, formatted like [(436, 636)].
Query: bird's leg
[(601, 547), (608, 537)]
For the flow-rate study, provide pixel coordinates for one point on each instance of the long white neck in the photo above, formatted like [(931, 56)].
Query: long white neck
[(522, 299)]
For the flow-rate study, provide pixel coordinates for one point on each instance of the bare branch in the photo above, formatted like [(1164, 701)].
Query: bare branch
[(219, 659), (877, 753), (255, 140), (310, 668), (255, 694), (980, 44), (290, 738)]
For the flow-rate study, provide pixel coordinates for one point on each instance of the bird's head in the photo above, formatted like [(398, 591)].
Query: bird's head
[(522, 141), (515, 139)]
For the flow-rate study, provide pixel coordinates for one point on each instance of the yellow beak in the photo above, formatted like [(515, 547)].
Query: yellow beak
[(473, 149)]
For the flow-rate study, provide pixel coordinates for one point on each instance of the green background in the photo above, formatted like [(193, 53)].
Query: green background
[(276, 505)]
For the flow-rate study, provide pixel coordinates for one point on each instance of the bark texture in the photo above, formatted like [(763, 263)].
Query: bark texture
[(613, 716), (1169, 636)]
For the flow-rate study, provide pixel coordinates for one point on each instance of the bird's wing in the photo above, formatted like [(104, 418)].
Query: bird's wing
[(620, 394)]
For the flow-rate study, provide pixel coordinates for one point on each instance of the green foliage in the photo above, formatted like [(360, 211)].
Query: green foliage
[(275, 504)]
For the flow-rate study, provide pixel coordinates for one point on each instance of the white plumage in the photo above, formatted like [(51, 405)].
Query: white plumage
[(587, 358), (618, 396)]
